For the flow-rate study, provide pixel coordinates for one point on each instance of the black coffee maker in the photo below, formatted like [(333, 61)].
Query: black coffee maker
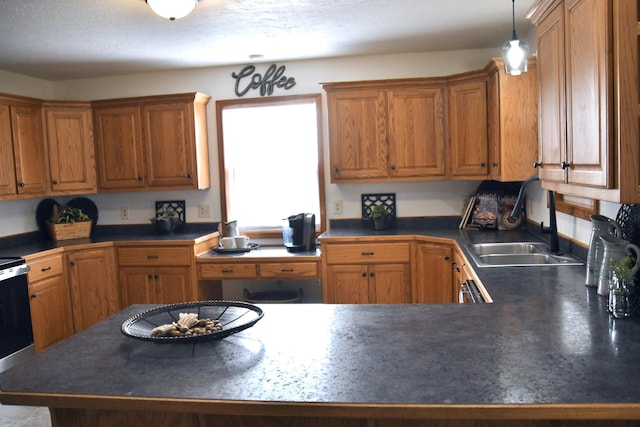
[(303, 226)]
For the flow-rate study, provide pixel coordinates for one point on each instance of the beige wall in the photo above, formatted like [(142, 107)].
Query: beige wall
[(414, 199)]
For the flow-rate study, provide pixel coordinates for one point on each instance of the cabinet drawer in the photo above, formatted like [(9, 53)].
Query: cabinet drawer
[(177, 255), (227, 271), (363, 253), (283, 270), (45, 267)]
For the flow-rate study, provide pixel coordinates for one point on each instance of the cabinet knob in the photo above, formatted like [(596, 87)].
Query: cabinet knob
[(21, 184), (537, 164), (72, 263), (364, 274), (139, 178), (447, 258), (372, 274), (457, 269), (189, 176), (393, 167), (54, 182), (483, 164), (494, 164), (565, 165), (34, 295), (155, 276), (336, 169), (149, 277)]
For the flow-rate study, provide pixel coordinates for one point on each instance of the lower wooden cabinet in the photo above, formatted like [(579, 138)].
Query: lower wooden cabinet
[(368, 284), (94, 290), (367, 273), (434, 280), (49, 301), (161, 285)]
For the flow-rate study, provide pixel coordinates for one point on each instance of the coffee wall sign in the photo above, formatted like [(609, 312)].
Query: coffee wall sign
[(274, 77)]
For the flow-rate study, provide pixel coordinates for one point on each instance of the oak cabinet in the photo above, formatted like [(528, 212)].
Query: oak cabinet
[(367, 273), (468, 128), (69, 135), (512, 103), (49, 301), (152, 143), (94, 290), (588, 85), (386, 131), (156, 274), (434, 274), (24, 160)]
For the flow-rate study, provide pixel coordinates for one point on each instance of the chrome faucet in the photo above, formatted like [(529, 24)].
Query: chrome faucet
[(552, 230)]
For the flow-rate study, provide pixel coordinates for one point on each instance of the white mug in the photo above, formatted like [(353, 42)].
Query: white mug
[(228, 242), (241, 241)]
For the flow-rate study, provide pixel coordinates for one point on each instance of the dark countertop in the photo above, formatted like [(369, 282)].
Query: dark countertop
[(547, 341)]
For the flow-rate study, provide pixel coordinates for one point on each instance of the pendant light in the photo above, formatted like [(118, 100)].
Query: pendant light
[(514, 51), (172, 9)]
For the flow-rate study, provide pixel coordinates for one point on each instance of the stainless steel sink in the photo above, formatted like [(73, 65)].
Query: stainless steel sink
[(518, 254)]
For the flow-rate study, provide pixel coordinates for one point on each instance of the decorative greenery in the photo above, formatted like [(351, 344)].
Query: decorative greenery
[(377, 211), (68, 215), (166, 214), (624, 269)]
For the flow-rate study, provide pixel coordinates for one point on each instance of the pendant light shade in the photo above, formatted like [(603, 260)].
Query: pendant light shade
[(172, 9), (514, 51)]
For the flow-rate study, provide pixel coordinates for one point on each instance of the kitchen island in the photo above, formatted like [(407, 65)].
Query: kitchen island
[(549, 352)]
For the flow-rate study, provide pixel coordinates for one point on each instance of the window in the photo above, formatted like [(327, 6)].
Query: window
[(270, 160)]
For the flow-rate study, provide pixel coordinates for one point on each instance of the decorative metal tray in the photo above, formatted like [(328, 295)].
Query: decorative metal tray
[(234, 316), (249, 248)]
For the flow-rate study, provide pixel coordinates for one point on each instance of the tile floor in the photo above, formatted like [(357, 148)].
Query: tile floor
[(24, 416)]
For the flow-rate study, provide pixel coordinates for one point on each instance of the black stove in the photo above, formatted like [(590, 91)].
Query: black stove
[(10, 262)]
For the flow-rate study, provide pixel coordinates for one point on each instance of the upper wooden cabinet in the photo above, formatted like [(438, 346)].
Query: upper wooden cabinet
[(476, 125), (69, 135), (152, 143), (589, 100), (24, 158), (391, 130), (513, 122)]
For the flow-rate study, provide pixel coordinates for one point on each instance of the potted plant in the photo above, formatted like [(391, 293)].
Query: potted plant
[(379, 214), (622, 289), (69, 223), (166, 220)]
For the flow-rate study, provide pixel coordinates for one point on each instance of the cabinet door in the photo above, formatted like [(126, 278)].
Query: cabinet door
[(29, 150), (94, 292), (169, 145), (71, 152), (357, 134), (433, 282), (416, 132), (348, 284), (51, 317), (468, 130), (588, 49), (7, 168), (136, 285), (118, 141), (551, 72), (391, 283), (172, 285)]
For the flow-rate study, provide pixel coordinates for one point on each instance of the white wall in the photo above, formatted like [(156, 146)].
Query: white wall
[(413, 199)]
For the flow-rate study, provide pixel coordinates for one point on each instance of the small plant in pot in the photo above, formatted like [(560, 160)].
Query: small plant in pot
[(623, 297), (166, 220), (380, 216), (67, 223)]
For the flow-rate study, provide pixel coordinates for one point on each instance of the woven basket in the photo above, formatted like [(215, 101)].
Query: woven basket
[(76, 230)]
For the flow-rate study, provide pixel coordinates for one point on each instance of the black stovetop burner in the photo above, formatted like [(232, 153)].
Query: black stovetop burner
[(10, 262)]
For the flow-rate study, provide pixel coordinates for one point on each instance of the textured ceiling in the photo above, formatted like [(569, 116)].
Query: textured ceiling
[(69, 39)]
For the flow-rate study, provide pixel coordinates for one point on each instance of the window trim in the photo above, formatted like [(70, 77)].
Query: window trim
[(278, 100)]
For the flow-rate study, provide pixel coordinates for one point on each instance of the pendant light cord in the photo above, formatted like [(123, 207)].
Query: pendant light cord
[(514, 36)]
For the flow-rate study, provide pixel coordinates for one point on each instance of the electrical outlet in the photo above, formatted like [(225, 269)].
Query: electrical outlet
[(337, 207), (204, 211), (124, 212)]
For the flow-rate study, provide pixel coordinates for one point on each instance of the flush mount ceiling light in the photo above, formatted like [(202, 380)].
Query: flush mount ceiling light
[(172, 9), (514, 51)]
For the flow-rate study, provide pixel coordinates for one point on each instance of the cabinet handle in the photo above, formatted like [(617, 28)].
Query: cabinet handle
[(139, 178), (494, 164), (155, 276), (483, 164), (189, 176), (72, 263), (34, 295), (565, 165), (54, 182), (447, 258), (45, 269), (393, 167), (537, 164), (336, 169), (149, 277), (287, 270), (364, 274), (227, 270), (21, 184), (367, 253), (457, 269), (372, 274), (152, 256)]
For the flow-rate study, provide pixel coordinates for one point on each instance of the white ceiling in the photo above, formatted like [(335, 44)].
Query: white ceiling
[(70, 39)]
